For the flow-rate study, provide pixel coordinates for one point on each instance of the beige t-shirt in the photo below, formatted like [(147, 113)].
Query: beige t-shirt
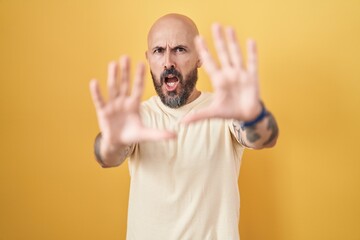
[(185, 188)]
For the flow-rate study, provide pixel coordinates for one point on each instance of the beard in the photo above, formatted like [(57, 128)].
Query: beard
[(178, 97)]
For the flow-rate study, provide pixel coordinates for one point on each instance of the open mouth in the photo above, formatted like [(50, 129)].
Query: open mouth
[(171, 82)]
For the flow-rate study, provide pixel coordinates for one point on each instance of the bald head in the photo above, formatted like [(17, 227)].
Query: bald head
[(173, 59), (176, 25)]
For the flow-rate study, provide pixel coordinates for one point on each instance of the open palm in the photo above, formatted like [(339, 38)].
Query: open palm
[(119, 118), (236, 87)]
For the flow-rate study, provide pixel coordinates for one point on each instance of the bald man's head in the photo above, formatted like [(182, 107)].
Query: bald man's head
[(173, 21), (173, 59)]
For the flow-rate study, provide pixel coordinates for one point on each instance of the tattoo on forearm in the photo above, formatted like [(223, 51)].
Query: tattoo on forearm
[(251, 134), (237, 129), (122, 155), (125, 153), (272, 126)]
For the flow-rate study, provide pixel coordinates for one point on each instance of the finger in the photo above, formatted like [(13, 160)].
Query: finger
[(96, 95), (125, 76), (198, 116), (111, 82), (149, 134), (138, 88), (205, 56), (252, 61), (234, 48), (220, 45)]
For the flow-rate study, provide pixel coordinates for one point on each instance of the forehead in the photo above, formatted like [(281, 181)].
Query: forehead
[(171, 32)]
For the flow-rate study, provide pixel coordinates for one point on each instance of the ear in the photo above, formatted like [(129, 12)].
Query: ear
[(199, 63)]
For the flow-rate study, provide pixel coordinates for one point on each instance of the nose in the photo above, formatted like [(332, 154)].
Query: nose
[(169, 61)]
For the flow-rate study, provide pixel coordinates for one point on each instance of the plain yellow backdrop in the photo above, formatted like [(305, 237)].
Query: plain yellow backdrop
[(308, 187)]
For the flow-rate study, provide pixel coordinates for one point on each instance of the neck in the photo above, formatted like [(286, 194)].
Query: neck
[(194, 95)]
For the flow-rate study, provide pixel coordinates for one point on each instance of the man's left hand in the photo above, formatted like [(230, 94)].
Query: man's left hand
[(236, 86)]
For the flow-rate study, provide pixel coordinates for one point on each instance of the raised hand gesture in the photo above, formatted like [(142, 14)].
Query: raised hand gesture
[(236, 87), (119, 117)]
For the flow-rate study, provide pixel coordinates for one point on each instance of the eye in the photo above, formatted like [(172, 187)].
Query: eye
[(180, 49), (158, 50)]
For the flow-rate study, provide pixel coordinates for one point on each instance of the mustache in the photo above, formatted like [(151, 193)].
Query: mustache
[(170, 71)]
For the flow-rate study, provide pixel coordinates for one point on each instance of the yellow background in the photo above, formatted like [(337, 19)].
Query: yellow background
[(308, 187)]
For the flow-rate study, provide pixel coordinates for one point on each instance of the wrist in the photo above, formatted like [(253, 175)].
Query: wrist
[(109, 149), (97, 149), (104, 150), (263, 113)]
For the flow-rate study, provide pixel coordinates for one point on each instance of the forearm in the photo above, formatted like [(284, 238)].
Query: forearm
[(263, 134), (110, 156)]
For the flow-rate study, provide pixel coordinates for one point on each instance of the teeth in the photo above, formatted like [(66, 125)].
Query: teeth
[(171, 84)]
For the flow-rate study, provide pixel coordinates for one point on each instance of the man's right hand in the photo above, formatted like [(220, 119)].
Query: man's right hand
[(119, 118)]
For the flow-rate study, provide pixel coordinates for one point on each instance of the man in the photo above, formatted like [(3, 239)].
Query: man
[(184, 146)]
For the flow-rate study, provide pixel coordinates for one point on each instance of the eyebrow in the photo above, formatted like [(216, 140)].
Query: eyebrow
[(177, 46)]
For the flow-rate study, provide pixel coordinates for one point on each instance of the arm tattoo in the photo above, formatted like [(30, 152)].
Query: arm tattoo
[(237, 129), (272, 126), (123, 154), (251, 134)]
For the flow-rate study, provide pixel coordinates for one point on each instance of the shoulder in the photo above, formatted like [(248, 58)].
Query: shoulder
[(151, 106), (149, 103), (206, 97), (203, 101)]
